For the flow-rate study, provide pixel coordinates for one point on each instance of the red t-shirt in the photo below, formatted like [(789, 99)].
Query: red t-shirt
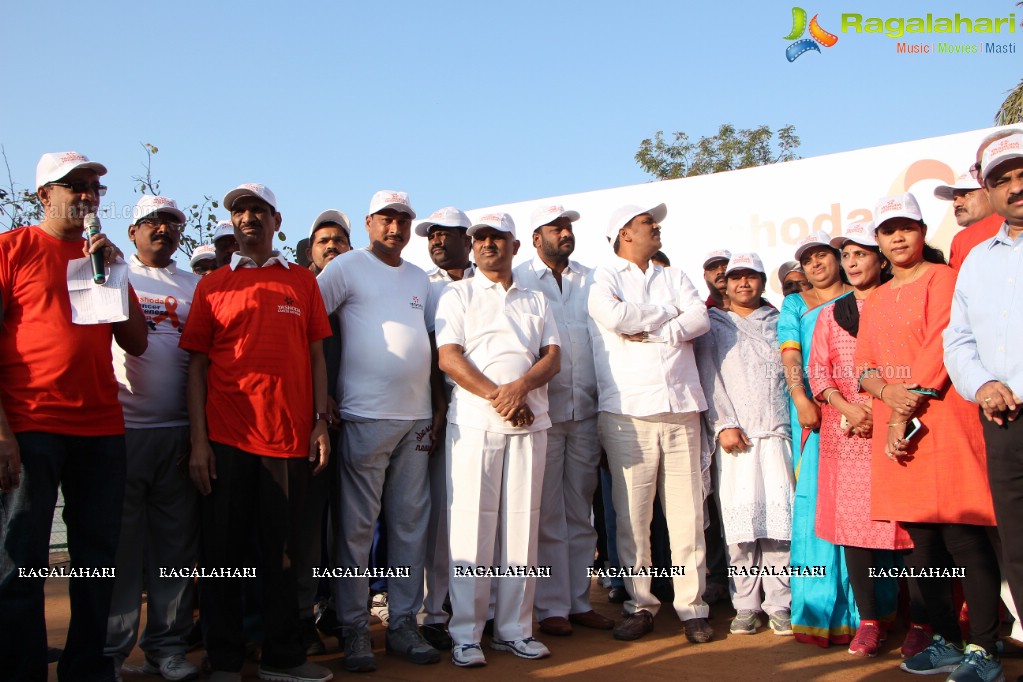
[(55, 376), (971, 236), (256, 324)]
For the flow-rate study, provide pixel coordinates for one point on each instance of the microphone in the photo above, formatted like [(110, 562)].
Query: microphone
[(99, 273)]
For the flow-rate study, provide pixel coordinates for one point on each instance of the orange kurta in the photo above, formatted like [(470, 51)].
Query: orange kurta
[(944, 480)]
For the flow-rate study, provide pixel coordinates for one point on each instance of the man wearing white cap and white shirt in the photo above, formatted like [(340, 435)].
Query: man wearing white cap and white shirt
[(160, 524), (748, 419), (385, 402), (60, 425), (224, 242), (203, 260), (644, 321), (714, 264), (329, 237), (981, 346), (499, 343), (257, 398), (450, 248), (567, 539), (973, 213)]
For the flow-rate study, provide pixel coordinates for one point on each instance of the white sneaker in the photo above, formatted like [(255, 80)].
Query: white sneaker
[(378, 607), (174, 667), (468, 656), (523, 648)]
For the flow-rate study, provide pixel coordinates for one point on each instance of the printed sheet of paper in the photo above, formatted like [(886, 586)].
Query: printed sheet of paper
[(93, 303)]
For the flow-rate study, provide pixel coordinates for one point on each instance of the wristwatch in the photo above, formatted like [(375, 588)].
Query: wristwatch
[(321, 417)]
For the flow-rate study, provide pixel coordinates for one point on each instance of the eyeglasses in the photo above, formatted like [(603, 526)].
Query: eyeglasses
[(975, 171), (82, 187), (156, 221)]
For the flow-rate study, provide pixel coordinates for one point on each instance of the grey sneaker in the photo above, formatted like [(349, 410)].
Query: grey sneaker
[(307, 672), (404, 638), (359, 656), (781, 623), (977, 666), (745, 622), (523, 648), (939, 657), (173, 667)]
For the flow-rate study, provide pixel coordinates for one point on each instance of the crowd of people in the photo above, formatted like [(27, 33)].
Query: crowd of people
[(301, 449)]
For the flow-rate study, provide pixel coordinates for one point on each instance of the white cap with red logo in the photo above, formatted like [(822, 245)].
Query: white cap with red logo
[(544, 215), (149, 204), (387, 198), (716, 256), (224, 229), (200, 252), (964, 183), (810, 241), (332, 215), (53, 166), (250, 189), (449, 216), (502, 222), (621, 217), (862, 233), (897, 206), (745, 261), (999, 151)]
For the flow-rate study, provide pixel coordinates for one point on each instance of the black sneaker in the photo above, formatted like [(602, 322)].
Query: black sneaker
[(314, 646), (437, 635)]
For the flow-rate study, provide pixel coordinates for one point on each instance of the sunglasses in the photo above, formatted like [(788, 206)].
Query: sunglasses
[(82, 187)]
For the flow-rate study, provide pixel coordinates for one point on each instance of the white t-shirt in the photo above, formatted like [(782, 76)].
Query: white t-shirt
[(385, 343), (501, 333), (151, 387), (572, 393)]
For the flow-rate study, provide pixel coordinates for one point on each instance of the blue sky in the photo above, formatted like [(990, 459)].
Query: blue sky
[(463, 103)]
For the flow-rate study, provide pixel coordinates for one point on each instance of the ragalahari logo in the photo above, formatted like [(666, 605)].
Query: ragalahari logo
[(803, 45)]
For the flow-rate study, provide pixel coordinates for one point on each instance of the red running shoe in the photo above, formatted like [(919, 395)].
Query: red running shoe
[(917, 639), (867, 640)]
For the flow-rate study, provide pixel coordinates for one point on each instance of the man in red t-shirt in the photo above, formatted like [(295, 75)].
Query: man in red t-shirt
[(973, 213), (60, 423), (257, 404)]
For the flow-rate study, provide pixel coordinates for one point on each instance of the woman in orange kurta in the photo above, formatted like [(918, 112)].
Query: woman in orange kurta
[(935, 484)]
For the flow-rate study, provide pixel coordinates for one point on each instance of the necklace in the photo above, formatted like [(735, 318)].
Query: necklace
[(908, 279)]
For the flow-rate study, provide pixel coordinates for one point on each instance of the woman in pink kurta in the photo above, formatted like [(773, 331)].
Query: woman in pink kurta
[(843, 488), (934, 483)]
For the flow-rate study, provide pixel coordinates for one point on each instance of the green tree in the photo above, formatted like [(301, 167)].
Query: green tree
[(730, 149), (17, 206)]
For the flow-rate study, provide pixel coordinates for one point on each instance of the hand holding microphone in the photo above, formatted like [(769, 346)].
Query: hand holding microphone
[(99, 249)]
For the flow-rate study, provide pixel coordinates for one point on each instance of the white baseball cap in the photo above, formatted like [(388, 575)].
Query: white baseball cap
[(787, 267), (449, 216), (720, 254), (387, 198), (149, 204), (224, 229), (250, 189), (332, 215), (53, 166), (623, 215), (501, 222), (745, 261), (896, 206), (548, 214), (999, 151), (200, 252), (861, 232), (964, 183), (810, 241)]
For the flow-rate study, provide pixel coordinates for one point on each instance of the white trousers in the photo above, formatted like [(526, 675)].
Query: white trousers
[(650, 456), (567, 539), (494, 488), (747, 558)]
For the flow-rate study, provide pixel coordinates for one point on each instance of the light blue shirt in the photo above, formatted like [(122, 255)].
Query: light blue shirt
[(984, 332)]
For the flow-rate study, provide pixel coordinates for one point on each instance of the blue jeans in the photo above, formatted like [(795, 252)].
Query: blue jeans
[(91, 472)]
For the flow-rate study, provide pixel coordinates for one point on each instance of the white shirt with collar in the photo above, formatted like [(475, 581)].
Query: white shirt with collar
[(151, 387), (439, 279), (657, 375), (572, 393), (501, 333), (240, 261)]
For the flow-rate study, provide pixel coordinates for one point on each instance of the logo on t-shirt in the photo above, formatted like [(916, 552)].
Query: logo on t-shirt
[(416, 303), (289, 307)]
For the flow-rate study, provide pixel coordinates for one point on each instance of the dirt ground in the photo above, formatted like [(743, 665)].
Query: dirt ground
[(593, 656)]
